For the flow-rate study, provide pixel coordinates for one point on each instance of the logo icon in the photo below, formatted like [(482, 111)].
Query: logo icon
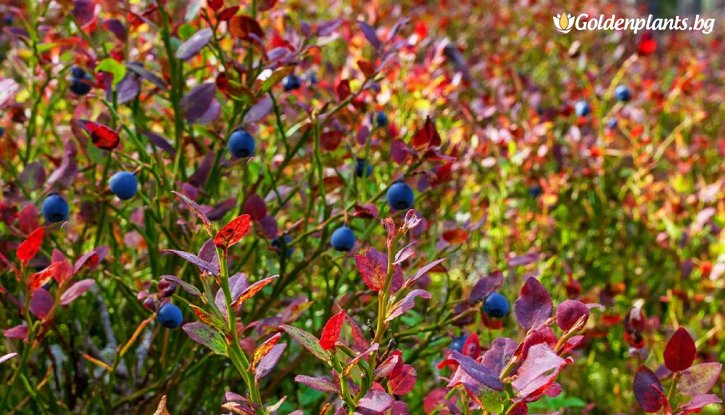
[(564, 22)]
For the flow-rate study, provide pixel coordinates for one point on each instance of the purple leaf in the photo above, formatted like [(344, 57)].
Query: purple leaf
[(405, 253), (33, 176), (407, 303), (203, 265), (486, 286), (422, 271), (269, 361), (370, 34), (697, 402), (208, 253), (68, 168), (501, 351), (207, 336), (699, 379), (183, 284), (197, 101), (321, 384), (147, 75), (569, 312), (648, 390), (237, 284), (477, 371), (375, 402), (199, 177), (76, 290), (538, 371), (259, 110), (533, 307), (41, 302), (193, 45), (128, 88), (83, 11), (161, 142), (523, 259), (269, 226), (8, 89), (328, 28), (116, 27), (221, 209), (399, 151), (196, 209), (17, 332), (6, 357), (211, 114), (255, 207)]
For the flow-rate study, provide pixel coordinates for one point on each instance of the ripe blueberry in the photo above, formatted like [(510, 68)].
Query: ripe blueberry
[(343, 239), (282, 241), (582, 108), (496, 305), (621, 93), (169, 316), (291, 82), (55, 208), (80, 81), (400, 196), (124, 185), (381, 119), (363, 167), (457, 343), (612, 123), (241, 144)]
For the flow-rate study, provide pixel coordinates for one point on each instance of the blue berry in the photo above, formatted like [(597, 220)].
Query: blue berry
[(457, 343), (291, 82), (400, 196), (2, 132), (381, 119), (241, 144), (612, 123), (124, 185), (169, 316), (80, 81), (535, 191), (55, 208), (496, 305), (343, 239), (312, 78), (283, 241), (621, 93), (582, 108), (363, 167)]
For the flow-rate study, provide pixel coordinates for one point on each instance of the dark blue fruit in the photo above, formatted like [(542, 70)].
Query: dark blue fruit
[(124, 185), (457, 343), (281, 242), (343, 239), (534, 191), (55, 208), (169, 316), (80, 81), (612, 123), (312, 78), (400, 196), (496, 305), (363, 167), (241, 144), (291, 82), (582, 108), (381, 119), (621, 93)]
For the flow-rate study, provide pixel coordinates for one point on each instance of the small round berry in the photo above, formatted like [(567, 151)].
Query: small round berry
[(291, 82), (535, 191), (621, 93), (282, 241), (124, 185), (343, 239), (312, 78), (2, 132), (582, 108), (381, 119), (55, 208), (363, 167), (612, 123), (400, 196), (241, 144), (496, 305), (457, 343), (169, 316), (80, 81)]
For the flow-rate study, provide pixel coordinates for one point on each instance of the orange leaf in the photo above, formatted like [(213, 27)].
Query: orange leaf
[(253, 289), (242, 27), (53, 270), (455, 236), (232, 232), (264, 348), (30, 246)]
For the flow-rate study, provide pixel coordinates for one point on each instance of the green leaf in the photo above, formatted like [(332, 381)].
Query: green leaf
[(492, 400), (112, 66), (203, 334), (306, 340), (275, 78)]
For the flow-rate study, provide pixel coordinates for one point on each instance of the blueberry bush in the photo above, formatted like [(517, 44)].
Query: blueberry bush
[(345, 207)]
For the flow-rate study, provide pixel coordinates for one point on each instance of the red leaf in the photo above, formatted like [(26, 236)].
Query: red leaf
[(245, 28), (533, 307), (569, 312), (30, 246), (680, 351), (648, 390), (28, 218), (215, 4), (373, 266), (232, 232), (343, 89), (76, 290), (331, 140), (331, 331), (41, 302), (102, 136), (428, 135), (455, 236), (228, 13), (538, 371), (255, 207), (402, 381)]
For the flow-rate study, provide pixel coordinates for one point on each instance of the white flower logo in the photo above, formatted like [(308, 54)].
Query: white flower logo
[(564, 22)]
